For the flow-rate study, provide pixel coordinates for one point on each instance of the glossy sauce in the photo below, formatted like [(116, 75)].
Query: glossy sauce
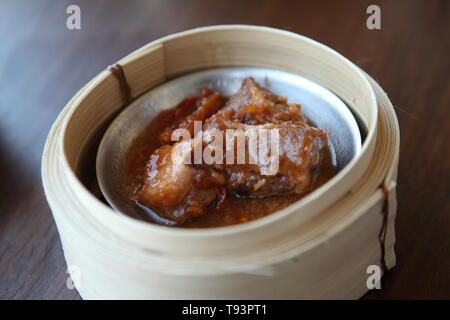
[(235, 210)]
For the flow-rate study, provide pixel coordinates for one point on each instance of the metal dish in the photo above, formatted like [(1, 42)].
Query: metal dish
[(320, 105)]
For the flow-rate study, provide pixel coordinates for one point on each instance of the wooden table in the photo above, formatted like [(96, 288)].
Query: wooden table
[(43, 64)]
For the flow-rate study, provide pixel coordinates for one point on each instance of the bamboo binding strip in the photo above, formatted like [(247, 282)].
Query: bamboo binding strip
[(319, 247)]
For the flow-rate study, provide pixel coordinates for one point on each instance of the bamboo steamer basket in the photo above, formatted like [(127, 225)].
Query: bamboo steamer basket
[(319, 247)]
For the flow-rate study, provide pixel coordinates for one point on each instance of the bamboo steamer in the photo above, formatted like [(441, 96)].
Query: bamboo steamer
[(319, 247)]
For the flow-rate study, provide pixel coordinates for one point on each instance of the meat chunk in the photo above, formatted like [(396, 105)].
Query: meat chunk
[(255, 108), (179, 191), (175, 190), (193, 109), (253, 104), (299, 146)]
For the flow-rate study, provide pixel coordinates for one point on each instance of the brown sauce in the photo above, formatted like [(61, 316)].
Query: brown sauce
[(236, 210)]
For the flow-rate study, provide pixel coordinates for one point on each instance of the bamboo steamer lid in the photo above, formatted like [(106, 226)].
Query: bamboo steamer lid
[(323, 243)]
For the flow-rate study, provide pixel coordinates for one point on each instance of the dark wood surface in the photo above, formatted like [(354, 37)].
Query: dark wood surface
[(43, 64)]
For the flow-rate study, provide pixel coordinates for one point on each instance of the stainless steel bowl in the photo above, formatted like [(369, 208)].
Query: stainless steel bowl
[(320, 105)]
